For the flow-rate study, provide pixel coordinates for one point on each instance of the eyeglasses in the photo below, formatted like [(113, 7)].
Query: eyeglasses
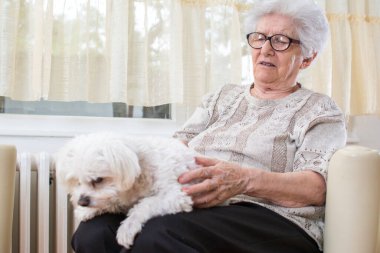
[(278, 42)]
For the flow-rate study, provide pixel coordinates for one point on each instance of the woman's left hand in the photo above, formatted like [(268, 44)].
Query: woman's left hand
[(216, 180)]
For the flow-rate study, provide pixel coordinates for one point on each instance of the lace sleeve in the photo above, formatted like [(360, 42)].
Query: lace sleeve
[(322, 133)]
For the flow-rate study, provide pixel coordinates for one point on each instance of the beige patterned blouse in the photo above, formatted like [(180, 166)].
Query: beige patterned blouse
[(295, 133)]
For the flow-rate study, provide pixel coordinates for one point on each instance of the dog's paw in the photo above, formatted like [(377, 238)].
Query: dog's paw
[(84, 214), (127, 232), (185, 204)]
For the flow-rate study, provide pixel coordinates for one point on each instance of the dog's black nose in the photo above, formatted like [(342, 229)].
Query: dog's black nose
[(84, 200)]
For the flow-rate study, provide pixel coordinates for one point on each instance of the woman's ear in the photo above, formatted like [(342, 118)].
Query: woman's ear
[(307, 61)]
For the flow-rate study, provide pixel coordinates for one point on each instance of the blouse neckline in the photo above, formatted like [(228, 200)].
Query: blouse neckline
[(260, 102)]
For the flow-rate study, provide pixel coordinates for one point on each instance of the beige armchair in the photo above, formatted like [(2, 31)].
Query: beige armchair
[(352, 207), (7, 189), (353, 202)]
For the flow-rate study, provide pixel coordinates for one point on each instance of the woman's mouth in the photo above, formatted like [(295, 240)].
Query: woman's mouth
[(267, 64)]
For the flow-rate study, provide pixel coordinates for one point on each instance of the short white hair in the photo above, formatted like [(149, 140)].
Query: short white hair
[(309, 19)]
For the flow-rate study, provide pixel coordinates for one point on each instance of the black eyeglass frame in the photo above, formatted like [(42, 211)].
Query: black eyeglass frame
[(291, 40)]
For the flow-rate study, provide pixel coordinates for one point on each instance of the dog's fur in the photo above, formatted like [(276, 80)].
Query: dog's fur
[(110, 173)]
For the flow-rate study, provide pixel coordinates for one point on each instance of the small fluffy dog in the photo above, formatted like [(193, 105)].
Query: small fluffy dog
[(110, 173)]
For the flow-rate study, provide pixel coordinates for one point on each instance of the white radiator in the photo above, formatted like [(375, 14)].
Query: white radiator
[(43, 215)]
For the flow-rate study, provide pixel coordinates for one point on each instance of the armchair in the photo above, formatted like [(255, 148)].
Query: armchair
[(7, 189), (352, 204)]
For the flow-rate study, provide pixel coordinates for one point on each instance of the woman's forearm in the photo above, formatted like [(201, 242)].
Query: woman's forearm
[(216, 181), (292, 189)]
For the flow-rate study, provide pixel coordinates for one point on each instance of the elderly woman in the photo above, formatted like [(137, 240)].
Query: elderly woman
[(270, 144)]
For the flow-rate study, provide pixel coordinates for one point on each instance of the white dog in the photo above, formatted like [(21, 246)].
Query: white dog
[(109, 173)]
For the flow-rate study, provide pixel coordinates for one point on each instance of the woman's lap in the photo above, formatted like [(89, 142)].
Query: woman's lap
[(245, 228)]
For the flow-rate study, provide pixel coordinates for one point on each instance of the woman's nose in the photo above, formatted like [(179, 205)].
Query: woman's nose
[(267, 48)]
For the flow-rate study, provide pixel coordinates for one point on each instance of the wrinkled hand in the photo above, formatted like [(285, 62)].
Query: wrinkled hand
[(216, 180)]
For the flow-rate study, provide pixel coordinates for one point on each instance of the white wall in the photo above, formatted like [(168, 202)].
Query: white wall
[(33, 133), (40, 133), (366, 129)]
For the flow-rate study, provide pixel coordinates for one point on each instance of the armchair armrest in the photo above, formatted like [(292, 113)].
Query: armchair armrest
[(353, 201), (7, 189)]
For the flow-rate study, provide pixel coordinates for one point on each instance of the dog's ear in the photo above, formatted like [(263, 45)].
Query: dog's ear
[(125, 163), (69, 181), (64, 169), (66, 160)]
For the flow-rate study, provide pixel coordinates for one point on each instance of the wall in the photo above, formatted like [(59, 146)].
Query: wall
[(38, 133), (33, 133), (366, 130)]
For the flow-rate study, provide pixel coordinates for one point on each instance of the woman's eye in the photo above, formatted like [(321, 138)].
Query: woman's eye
[(280, 40)]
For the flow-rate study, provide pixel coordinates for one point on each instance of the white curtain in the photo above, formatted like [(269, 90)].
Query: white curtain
[(349, 67), (141, 52), (152, 52)]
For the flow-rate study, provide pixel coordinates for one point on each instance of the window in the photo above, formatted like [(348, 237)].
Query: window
[(84, 109)]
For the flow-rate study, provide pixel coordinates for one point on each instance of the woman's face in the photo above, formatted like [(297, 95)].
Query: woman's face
[(273, 69)]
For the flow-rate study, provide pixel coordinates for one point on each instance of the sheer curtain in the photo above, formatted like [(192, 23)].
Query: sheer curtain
[(152, 52), (140, 52), (349, 68)]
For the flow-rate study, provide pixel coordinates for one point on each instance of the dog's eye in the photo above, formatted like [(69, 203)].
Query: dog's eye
[(96, 181)]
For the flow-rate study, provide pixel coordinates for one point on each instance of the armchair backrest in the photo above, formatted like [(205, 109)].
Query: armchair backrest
[(8, 159)]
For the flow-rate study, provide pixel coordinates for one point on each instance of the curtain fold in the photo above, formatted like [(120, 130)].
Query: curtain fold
[(152, 52)]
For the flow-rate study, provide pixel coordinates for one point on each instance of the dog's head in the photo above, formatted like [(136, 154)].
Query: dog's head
[(96, 169)]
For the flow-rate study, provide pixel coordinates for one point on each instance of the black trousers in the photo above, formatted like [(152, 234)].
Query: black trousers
[(239, 228)]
